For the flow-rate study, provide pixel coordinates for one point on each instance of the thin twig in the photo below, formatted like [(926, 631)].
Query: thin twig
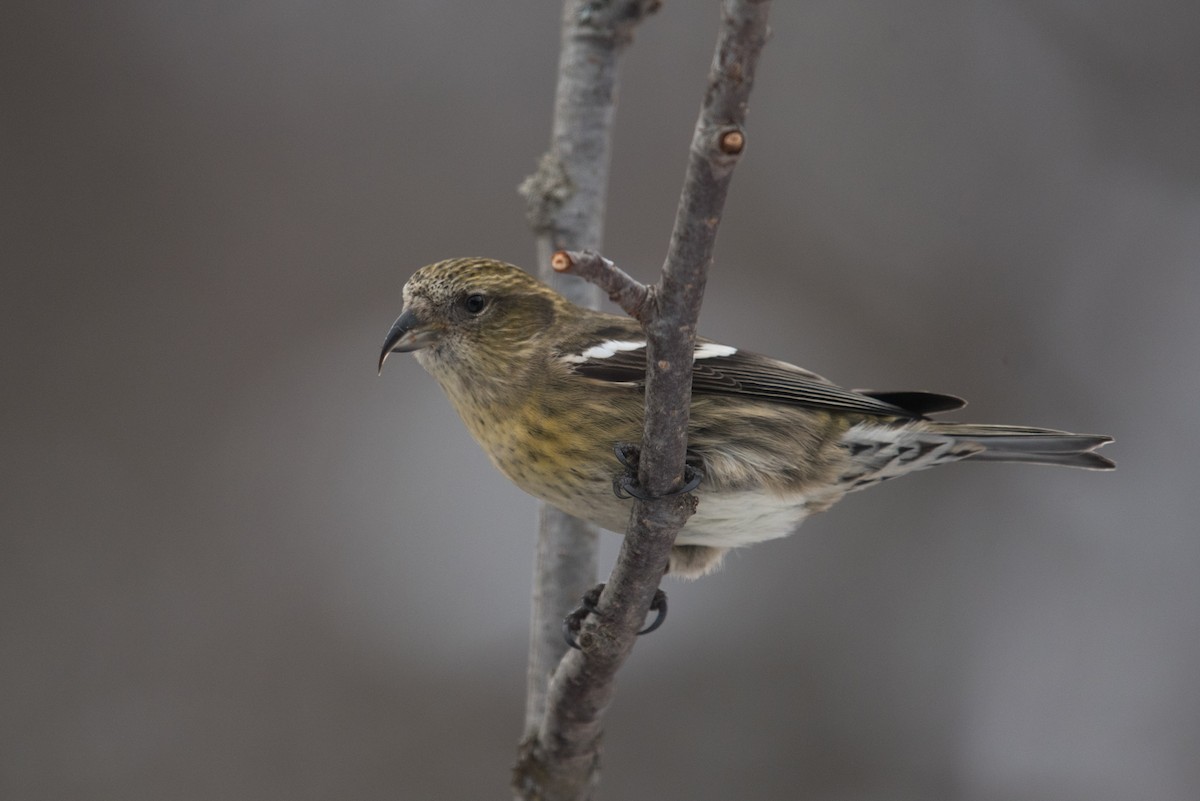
[(622, 288), (563, 761)]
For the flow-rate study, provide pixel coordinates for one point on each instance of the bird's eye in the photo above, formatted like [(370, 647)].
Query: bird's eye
[(475, 303)]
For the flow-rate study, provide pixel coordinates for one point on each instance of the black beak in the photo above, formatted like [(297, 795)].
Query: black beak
[(408, 333)]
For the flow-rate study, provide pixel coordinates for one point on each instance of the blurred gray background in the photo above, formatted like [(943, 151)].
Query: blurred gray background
[(235, 563)]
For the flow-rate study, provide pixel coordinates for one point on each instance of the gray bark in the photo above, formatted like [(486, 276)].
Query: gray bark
[(562, 762), (565, 200)]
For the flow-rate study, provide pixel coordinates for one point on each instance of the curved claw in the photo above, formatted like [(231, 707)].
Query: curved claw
[(692, 476), (659, 605), (627, 454), (571, 626), (625, 484), (573, 622)]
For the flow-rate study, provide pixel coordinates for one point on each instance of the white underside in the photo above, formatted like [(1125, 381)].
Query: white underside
[(731, 520)]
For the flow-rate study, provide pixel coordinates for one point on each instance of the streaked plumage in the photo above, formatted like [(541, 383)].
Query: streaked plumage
[(547, 388)]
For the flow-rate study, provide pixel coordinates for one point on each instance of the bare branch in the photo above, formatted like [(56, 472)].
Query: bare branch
[(622, 288), (563, 762), (565, 206)]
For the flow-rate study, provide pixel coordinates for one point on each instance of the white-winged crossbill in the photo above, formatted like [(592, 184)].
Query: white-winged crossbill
[(548, 389)]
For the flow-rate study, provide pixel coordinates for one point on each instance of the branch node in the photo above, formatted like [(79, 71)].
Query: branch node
[(732, 142), (545, 191)]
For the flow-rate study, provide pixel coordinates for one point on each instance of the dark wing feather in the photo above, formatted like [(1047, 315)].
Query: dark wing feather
[(751, 375), (920, 403)]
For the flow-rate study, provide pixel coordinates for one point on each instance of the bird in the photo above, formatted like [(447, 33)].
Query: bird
[(551, 391)]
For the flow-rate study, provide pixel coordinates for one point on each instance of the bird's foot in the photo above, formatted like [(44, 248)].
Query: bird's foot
[(573, 622), (625, 484)]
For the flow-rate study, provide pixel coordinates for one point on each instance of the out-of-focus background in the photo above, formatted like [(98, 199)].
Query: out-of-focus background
[(235, 563)]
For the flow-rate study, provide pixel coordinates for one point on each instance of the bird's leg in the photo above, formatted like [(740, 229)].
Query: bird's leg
[(573, 622), (625, 483)]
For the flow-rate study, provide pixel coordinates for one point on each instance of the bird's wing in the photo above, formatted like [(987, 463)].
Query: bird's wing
[(723, 370)]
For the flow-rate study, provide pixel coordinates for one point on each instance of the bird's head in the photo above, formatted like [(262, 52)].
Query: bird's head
[(468, 319)]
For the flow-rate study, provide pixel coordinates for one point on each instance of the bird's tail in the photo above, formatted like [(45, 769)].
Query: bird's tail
[(1036, 445)]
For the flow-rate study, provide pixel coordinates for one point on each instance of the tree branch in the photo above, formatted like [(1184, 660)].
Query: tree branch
[(565, 200), (562, 763), (623, 290)]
